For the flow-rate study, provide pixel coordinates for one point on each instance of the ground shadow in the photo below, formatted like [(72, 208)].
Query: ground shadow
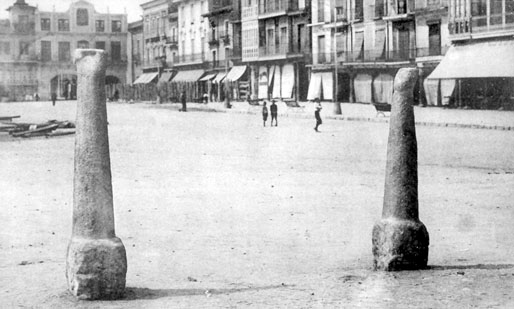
[(476, 266), (133, 293)]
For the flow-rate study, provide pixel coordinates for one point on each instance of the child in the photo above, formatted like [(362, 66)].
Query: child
[(264, 113), (317, 114)]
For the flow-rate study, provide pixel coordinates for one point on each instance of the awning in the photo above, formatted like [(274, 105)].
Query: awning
[(327, 83), (477, 60), (236, 73), (165, 77), (288, 81), (146, 78), (263, 83), (219, 77), (277, 83), (362, 87), (208, 77), (188, 76), (383, 88), (314, 87), (431, 87)]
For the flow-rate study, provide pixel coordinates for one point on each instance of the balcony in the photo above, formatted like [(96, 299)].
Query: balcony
[(214, 42), (190, 58), (271, 8), (24, 28), (430, 5), (401, 10), (224, 37)]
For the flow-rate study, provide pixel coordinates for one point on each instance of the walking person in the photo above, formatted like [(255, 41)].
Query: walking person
[(183, 101), (264, 113), (317, 114), (54, 97), (274, 112)]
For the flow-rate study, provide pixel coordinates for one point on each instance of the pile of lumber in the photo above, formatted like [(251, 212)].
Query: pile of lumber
[(49, 128)]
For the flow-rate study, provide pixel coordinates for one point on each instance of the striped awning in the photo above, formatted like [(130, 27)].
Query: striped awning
[(146, 78)]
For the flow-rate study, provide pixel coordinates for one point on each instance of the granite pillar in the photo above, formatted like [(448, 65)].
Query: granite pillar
[(96, 263), (400, 239)]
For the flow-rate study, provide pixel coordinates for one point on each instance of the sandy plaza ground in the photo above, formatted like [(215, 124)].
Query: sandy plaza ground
[(217, 211)]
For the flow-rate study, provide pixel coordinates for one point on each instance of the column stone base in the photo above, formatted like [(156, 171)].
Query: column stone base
[(400, 245), (96, 268)]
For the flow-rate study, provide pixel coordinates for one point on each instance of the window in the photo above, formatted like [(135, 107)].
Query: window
[(64, 51), (100, 26), (100, 45), (24, 48), (321, 49), (63, 25), (479, 12), (192, 13), (82, 17), (359, 9), (321, 10), (5, 48), (379, 8), (46, 51), (192, 46), (496, 12), (509, 11), (434, 39), (116, 26), (83, 44), (45, 24), (116, 51)]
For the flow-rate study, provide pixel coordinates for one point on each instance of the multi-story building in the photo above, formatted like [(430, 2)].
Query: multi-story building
[(479, 67), (160, 40), (36, 48), (224, 39), (276, 46), (367, 41), (135, 45)]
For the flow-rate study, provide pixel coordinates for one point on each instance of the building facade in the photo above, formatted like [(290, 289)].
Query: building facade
[(478, 70), (135, 46), (276, 47), (37, 48), (363, 43)]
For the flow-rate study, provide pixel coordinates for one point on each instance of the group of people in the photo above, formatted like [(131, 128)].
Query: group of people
[(274, 113)]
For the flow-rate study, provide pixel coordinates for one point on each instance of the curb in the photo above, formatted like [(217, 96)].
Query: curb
[(343, 118)]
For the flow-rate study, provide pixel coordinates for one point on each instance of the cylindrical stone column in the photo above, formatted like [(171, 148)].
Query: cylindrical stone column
[(400, 240), (96, 263)]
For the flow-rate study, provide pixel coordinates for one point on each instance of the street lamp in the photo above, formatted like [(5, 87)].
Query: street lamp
[(337, 104)]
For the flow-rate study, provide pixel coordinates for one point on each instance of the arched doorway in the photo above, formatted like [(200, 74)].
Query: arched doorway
[(64, 86), (111, 83)]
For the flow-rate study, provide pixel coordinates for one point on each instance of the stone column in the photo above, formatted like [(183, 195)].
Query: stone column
[(400, 240), (96, 262)]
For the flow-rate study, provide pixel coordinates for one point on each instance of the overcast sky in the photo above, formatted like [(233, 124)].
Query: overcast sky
[(118, 6)]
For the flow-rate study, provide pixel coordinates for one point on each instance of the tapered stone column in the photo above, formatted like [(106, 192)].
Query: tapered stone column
[(400, 240), (96, 262)]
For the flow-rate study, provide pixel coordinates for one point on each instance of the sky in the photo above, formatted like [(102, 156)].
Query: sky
[(118, 6)]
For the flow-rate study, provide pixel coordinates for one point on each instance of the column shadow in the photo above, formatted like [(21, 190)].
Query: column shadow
[(135, 293), (476, 266)]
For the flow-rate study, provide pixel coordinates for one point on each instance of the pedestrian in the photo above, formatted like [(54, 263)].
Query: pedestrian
[(264, 113), (317, 114), (54, 97), (183, 101), (273, 110), (205, 98)]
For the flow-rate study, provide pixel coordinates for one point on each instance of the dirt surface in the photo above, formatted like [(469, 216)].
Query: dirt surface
[(217, 211)]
